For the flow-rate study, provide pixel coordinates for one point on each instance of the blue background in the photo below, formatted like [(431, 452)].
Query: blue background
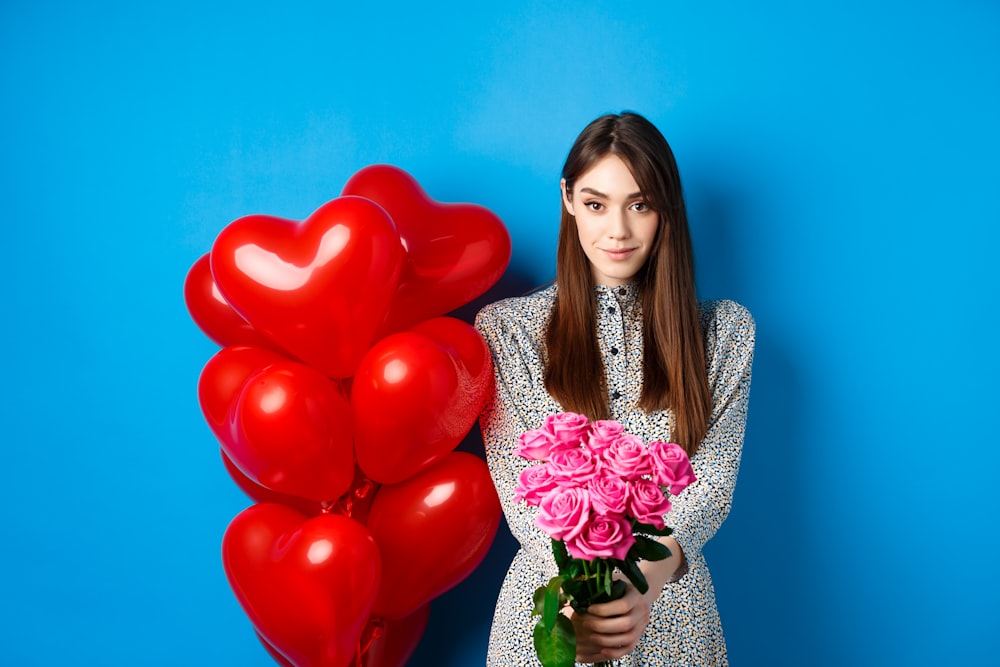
[(841, 164)]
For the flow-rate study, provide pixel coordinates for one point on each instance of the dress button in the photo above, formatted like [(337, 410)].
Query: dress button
[(614, 350), (615, 395), (611, 310)]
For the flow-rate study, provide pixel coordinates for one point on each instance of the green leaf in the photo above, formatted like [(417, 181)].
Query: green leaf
[(649, 529), (539, 599), (556, 645), (635, 575), (605, 584), (649, 549), (560, 553), (550, 602)]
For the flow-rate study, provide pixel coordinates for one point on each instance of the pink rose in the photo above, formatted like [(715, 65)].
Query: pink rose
[(671, 466), (647, 503), (602, 433), (604, 537), (572, 467), (608, 494), (533, 484), (534, 445), (566, 429), (563, 513), (628, 458)]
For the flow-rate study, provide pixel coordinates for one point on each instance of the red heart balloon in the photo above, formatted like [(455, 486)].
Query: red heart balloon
[(213, 314), (273, 652), (307, 585), (432, 531), (454, 252), (416, 394), (292, 432), (319, 289), (223, 377), (260, 494), (397, 639), (462, 341)]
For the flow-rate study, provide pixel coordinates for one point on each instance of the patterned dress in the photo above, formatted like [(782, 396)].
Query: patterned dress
[(684, 628)]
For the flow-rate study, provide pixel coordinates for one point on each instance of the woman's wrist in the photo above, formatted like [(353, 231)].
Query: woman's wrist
[(659, 573), (681, 570)]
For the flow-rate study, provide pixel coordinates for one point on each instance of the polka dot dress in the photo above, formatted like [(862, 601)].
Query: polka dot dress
[(684, 628)]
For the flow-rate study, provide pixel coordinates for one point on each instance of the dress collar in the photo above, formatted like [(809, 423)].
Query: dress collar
[(626, 295)]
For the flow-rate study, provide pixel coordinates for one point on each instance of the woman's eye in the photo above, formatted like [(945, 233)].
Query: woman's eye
[(593, 205), (640, 206)]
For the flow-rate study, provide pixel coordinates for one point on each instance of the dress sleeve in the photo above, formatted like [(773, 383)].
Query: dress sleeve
[(517, 405), (699, 510)]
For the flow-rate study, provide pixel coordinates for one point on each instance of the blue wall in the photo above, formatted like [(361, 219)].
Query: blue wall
[(841, 165)]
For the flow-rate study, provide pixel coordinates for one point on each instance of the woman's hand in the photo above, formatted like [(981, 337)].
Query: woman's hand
[(610, 630)]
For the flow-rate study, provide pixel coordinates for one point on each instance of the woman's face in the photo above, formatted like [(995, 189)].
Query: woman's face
[(615, 225)]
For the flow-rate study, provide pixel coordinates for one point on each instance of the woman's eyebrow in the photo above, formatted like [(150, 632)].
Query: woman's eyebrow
[(598, 193)]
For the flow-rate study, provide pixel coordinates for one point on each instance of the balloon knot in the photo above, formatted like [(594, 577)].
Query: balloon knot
[(363, 488), (374, 629)]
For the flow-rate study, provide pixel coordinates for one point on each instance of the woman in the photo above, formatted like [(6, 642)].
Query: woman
[(620, 335)]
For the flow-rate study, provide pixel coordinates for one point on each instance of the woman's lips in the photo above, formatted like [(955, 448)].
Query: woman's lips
[(618, 254)]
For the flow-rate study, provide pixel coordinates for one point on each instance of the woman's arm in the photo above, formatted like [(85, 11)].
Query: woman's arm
[(515, 407), (699, 510), (611, 630)]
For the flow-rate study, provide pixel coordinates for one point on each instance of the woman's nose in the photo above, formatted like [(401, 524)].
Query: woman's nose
[(618, 225)]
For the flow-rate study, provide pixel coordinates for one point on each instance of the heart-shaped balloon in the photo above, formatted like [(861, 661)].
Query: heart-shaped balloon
[(260, 494), (223, 377), (213, 314), (463, 342), (320, 288), (292, 432), (396, 639), (307, 585), (416, 394), (454, 252), (273, 652), (432, 531)]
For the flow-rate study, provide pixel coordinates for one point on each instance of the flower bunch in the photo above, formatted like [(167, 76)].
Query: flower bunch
[(601, 493)]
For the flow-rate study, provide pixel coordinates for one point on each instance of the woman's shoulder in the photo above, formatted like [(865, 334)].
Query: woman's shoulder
[(533, 307), (724, 316)]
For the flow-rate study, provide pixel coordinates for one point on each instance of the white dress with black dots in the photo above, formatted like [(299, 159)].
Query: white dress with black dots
[(684, 628)]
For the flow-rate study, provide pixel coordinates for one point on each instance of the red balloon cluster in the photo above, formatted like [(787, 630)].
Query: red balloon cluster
[(338, 399)]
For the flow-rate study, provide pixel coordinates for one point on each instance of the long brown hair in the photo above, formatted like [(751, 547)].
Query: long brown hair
[(674, 372)]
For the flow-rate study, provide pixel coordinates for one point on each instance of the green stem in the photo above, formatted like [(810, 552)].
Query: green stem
[(593, 581)]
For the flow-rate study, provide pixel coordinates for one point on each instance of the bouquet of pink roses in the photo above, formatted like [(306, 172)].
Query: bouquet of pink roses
[(601, 493)]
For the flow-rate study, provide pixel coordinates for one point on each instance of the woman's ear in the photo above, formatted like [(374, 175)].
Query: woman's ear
[(567, 197)]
